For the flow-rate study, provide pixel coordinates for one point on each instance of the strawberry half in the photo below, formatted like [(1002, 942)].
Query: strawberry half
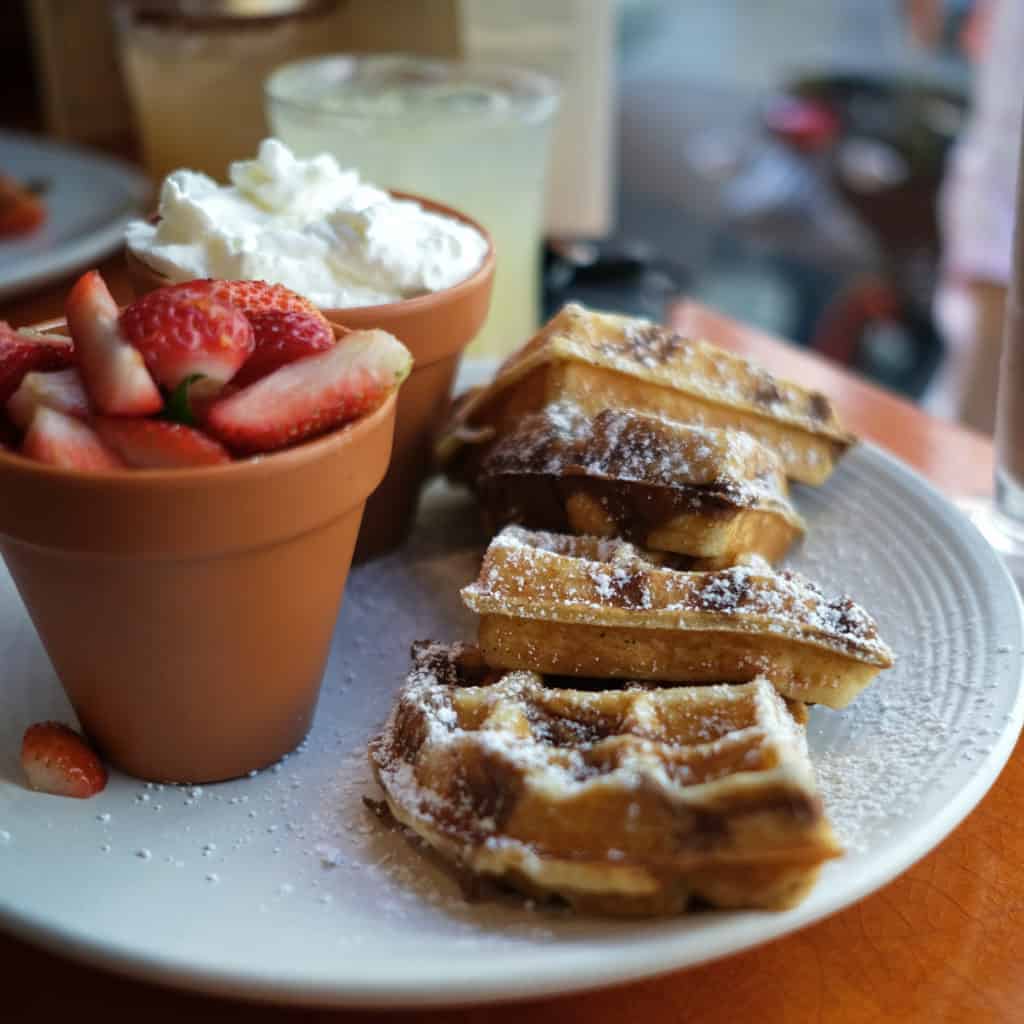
[(282, 336), (158, 444), (313, 395), (181, 335), (21, 352), (67, 443), (114, 373), (250, 296), (57, 760), (62, 390)]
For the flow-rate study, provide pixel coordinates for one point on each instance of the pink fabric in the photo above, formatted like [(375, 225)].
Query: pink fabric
[(978, 198)]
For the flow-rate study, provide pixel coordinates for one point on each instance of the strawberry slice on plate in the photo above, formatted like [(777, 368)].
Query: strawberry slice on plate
[(62, 390), (21, 211), (158, 444), (22, 352), (114, 373), (250, 296), (282, 336), (62, 441), (313, 395), (182, 336), (57, 760)]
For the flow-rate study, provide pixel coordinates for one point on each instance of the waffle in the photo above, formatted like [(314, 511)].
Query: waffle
[(629, 801), (712, 495), (581, 606), (600, 361)]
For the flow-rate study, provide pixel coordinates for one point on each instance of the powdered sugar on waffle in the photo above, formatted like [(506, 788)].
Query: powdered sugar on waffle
[(543, 736), (641, 448), (540, 575), (703, 369)]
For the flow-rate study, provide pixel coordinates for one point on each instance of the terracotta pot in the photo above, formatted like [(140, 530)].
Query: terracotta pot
[(436, 328), (189, 613)]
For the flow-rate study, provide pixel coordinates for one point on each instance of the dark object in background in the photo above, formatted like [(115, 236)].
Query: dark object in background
[(880, 144), (744, 192), (20, 108), (885, 158), (883, 333), (77, 75), (618, 276), (889, 153)]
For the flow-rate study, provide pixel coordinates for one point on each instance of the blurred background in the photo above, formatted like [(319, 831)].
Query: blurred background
[(837, 172)]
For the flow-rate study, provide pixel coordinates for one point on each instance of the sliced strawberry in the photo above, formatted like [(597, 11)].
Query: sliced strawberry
[(21, 212), (313, 395), (251, 296), (57, 760), (158, 444), (181, 335), (62, 390), (21, 352), (63, 441), (282, 336), (114, 373)]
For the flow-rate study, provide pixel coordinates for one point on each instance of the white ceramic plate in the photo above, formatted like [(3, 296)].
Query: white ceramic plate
[(283, 887), (89, 199)]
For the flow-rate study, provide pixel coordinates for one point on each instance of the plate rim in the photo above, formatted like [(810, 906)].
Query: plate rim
[(633, 962), (41, 268)]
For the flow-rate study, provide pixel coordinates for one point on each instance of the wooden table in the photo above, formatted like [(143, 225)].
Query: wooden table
[(943, 943)]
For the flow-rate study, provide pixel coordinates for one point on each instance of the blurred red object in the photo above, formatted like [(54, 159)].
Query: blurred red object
[(807, 125), (842, 325), (976, 31), (21, 211)]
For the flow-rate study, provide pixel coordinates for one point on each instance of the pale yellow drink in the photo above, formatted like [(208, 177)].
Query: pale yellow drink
[(195, 82), (471, 136)]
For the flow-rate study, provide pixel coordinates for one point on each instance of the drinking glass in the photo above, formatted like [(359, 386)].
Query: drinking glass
[(1002, 520), (195, 70), (474, 136)]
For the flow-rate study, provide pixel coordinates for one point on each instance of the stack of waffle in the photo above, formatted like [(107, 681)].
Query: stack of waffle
[(628, 733)]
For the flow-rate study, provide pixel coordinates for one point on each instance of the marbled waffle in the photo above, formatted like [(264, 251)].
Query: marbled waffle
[(601, 361), (580, 606), (628, 801), (710, 494)]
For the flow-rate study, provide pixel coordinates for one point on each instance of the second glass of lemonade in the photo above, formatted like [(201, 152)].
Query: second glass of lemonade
[(471, 135)]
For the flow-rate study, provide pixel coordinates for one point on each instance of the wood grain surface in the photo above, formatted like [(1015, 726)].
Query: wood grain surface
[(943, 943), (956, 460)]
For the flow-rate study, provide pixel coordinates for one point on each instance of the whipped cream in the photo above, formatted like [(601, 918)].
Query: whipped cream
[(306, 224)]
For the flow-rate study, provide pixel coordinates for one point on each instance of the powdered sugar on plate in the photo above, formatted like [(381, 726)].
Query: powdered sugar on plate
[(317, 899)]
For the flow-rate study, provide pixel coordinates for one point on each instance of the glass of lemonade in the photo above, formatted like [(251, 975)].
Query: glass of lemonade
[(471, 135)]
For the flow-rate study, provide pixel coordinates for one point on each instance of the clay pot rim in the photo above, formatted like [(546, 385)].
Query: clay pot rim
[(403, 307), (248, 468)]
